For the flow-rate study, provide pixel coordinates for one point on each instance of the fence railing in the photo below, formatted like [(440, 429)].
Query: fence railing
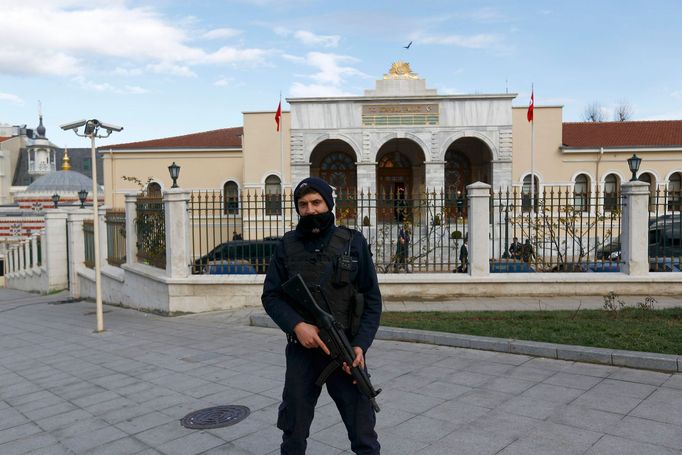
[(564, 232), (89, 243), (116, 236), (151, 230), (665, 231), (416, 232)]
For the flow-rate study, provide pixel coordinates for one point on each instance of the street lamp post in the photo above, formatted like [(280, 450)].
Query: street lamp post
[(92, 130)]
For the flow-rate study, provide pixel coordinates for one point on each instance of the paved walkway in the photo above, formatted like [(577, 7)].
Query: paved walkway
[(66, 390)]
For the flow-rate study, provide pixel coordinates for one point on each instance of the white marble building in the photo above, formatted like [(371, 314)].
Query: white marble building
[(402, 135)]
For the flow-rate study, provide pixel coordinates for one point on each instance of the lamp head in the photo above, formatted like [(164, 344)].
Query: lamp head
[(633, 163), (174, 171), (55, 199), (82, 195)]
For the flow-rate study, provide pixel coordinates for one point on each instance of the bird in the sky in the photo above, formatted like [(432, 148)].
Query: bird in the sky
[(408, 46)]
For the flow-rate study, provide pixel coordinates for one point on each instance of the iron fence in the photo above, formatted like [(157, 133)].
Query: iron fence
[(151, 230), (116, 236), (421, 232), (665, 230), (89, 243), (564, 231)]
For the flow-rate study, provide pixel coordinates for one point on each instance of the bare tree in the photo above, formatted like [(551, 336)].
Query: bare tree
[(594, 112), (623, 112)]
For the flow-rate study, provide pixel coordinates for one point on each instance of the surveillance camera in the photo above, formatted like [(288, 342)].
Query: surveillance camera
[(110, 127), (73, 125)]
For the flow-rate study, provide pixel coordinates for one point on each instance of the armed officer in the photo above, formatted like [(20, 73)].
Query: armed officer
[(335, 261)]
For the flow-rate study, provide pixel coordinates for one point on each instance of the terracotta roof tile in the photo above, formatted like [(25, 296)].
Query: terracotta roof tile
[(4, 138), (226, 137), (623, 134)]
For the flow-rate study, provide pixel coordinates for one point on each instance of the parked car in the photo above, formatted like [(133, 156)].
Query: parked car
[(223, 258), (510, 266), (665, 234), (237, 267)]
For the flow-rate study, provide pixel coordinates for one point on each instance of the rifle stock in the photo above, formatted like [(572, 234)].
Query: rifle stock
[(331, 333)]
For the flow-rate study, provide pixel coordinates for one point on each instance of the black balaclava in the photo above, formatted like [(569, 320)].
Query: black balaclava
[(315, 224)]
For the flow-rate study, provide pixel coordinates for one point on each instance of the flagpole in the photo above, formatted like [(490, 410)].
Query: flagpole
[(281, 143), (532, 152)]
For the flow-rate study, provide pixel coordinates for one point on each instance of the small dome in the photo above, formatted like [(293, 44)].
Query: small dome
[(61, 181), (41, 128)]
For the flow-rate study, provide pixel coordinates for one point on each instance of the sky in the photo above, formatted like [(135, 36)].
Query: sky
[(169, 67)]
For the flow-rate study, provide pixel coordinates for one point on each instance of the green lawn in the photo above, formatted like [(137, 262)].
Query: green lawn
[(631, 329)]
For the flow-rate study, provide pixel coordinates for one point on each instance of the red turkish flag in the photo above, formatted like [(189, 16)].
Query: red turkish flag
[(278, 114), (529, 115)]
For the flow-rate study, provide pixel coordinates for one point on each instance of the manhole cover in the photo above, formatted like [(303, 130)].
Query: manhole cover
[(216, 417)]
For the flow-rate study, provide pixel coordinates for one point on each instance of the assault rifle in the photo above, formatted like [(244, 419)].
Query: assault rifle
[(332, 335)]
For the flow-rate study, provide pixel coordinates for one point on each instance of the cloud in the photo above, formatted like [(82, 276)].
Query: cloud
[(67, 38), (478, 41), (299, 90), (311, 39), (10, 98), (332, 72), (107, 87), (224, 82), (220, 33)]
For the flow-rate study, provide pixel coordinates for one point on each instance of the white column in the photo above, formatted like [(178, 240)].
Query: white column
[(22, 255), (634, 237), (479, 221), (10, 260), (131, 231), (103, 236), (175, 203), (34, 249), (54, 250), (76, 248)]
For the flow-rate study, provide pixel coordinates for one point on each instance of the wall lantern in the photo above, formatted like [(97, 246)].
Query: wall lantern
[(82, 195), (174, 170), (55, 199), (633, 163)]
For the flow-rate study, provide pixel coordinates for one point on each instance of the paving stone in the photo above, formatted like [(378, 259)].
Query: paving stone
[(19, 432), (645, 430), (191, 444), (27, 444), (575, 381), (548, 437), (89, 440), (586, 418), (612, 445)]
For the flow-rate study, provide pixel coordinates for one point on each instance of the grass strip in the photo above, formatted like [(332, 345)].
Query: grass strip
[(632, 329)]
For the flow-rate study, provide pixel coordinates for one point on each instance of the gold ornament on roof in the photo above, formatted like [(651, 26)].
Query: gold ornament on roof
[(400, 70), (66, 165)]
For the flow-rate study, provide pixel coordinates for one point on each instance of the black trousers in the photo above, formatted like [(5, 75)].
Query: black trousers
[(300, 397)]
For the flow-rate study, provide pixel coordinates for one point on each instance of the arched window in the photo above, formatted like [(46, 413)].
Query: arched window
[(231, 198), (611, 192), (154, 189), (581, 193), (651, 180), (273, 195), (525, 193), (675, 192)]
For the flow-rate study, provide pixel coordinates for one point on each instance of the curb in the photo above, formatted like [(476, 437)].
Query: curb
[(632, 359)]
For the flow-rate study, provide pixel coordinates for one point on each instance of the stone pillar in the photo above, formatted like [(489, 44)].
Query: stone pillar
[(367, 186), (9, 266), (76, 248), (34, 249), (103, 236), (435, 176), (634, 237), (479, 221), (175, 203), (55, 251), (22, 256), (131, 231), (299, 171), (502, 175)]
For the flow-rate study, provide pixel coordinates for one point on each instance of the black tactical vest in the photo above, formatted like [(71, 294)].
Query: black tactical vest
[(329, 269)]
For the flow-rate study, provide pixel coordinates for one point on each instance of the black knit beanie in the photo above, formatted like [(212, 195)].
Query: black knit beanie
[(319, 186)]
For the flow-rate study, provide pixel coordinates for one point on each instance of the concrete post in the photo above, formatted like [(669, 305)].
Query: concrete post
[(34, 249), (76, 248), (176, 203), (634, 237), (55, 250), (131, 230), (103, 236), (479, 221), (22, 256)]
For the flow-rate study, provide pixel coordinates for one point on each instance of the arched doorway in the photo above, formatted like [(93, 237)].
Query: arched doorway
[(467, 160), (334, 161), (400, 176)]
